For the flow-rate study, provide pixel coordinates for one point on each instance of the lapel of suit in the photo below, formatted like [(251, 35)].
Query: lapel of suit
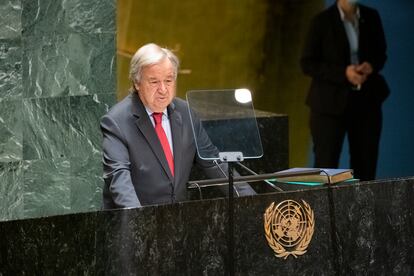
[(147, 130), (364, 32), (339, 35), (177, 136)]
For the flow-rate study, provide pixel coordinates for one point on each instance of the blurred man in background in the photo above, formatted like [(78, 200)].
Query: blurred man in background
[(344, 52)]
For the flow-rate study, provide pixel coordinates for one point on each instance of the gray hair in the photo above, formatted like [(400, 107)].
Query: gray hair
[(150, 54)]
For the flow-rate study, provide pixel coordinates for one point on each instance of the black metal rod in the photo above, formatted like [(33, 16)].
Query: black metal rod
[(230, 241), (250, 178)]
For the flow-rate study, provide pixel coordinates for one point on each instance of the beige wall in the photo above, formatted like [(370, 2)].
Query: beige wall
[(228, 44)]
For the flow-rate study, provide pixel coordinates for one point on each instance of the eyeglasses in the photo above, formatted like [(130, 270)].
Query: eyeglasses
[(157, 83)]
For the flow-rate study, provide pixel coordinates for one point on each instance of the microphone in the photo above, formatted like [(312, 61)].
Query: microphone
[(221, 170), (254, 173)]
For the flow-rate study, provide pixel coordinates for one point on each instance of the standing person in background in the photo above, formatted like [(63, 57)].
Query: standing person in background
[(344, 52)]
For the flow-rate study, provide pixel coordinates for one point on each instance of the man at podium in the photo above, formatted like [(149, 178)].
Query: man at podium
[(148, 143)]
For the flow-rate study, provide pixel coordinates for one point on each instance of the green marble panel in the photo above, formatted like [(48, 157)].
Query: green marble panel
[(46, 128), (91, 16), (46, 187), (10, 21), (61, 16), (11, 190), (69, 64), (10, 68), (84, 120), (11, 130), (87, 184)]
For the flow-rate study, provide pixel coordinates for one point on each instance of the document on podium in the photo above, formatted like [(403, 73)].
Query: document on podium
[(315, 175)]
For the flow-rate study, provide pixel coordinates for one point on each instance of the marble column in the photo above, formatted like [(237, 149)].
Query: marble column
[(57, 78)]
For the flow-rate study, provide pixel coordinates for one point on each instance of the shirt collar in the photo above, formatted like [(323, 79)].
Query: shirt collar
[(149, 111), (341, 12)]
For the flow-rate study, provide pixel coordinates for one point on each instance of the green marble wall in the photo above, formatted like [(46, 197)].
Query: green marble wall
[(57, 78)]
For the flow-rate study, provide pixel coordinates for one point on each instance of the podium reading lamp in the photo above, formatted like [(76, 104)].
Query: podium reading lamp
[(225, 130)]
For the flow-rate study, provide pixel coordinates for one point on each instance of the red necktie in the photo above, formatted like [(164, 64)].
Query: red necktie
[(163, 139)]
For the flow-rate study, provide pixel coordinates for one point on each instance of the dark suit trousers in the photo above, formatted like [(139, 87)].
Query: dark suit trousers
[(362, 123)]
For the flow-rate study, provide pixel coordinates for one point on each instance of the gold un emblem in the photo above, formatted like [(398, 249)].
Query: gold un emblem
[(289, 228)]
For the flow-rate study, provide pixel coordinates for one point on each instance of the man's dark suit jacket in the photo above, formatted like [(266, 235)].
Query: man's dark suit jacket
[(327, 54), (134, 162)]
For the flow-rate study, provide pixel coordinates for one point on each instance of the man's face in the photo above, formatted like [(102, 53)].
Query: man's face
[(157, 86)]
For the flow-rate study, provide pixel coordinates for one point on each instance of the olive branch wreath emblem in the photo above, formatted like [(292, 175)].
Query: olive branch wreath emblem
[(302, 238)]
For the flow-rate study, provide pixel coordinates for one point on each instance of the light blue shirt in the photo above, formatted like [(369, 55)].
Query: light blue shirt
[(165, 125), (352, 32)]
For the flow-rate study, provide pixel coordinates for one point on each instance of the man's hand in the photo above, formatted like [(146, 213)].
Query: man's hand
[(358, 74), (355, 76), (365, 68)]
